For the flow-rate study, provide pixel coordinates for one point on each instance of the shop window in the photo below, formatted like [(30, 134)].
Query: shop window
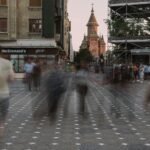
[(35, 3), (35, 25), (3, 25), (3, 2)]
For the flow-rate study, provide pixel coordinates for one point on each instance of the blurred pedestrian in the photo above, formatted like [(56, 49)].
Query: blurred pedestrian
[(81, 83), (36, 74), (6, 75), (131, 72), (101, 62), (96, 67), (55, 88), (141, 73), (147, 99), (135, 70)]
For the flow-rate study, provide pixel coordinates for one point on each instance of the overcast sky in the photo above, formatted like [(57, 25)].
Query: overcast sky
[(79, 13)]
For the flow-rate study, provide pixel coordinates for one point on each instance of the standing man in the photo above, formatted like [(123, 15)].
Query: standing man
[(6, 75), (28, 69)]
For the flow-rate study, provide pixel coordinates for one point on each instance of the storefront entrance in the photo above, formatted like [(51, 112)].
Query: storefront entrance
[(19, 56)]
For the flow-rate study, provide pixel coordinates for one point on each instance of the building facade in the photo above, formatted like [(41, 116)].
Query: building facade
[(67, 29), (129, 30), (93, 41), (32, 28)]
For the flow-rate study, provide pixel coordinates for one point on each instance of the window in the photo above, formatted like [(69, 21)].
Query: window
[(35, 25), (3, 25), (35, 3), (3, 2)]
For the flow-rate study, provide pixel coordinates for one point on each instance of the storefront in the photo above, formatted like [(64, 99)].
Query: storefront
[(18, 53), (140, 56)]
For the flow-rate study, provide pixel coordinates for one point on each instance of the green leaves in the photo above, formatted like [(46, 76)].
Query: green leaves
[(83, 55)]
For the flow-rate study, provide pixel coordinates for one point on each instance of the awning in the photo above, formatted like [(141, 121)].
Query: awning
[(140, 51)]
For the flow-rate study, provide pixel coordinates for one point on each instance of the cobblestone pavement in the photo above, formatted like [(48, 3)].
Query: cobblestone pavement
[(115, 119)]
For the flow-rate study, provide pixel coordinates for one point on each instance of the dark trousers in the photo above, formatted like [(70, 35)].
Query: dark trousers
[(4, 104), (29, 80), (82, 90), (36, 81)]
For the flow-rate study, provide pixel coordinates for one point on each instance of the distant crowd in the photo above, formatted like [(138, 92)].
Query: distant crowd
[(130, 72)]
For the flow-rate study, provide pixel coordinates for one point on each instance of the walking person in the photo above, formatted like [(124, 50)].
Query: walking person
[(135, 70), (141, 73), (6, 75), (131, 72), (36, 75), (81, 84), (101, 61), (55, 88)]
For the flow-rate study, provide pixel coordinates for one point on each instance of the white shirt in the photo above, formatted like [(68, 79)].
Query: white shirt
[(28, 68), (6, 74)]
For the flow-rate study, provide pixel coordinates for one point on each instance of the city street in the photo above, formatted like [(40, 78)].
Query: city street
[(115, 118), (74, 75)]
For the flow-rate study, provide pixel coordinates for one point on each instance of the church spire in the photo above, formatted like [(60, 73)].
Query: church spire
[(92, 11), (92, 20)]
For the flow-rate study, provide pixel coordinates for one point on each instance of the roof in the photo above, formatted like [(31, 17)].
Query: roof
[(29, 43), (92, 19)]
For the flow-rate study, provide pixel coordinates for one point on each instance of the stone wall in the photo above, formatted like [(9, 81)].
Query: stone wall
[(18, 13)]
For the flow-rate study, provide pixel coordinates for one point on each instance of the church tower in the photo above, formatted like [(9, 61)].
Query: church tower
[(95, 44), (92, 25)]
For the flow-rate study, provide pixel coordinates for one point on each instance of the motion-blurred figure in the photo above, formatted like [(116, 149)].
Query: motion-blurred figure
[(141, 73), (101, 62), (96, 67), (55, 88), (6, 75), (36, 74), (81, 83), (147, 99)]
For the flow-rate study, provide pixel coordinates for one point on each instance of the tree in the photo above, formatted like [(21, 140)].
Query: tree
[(83, 55), (118, 27)]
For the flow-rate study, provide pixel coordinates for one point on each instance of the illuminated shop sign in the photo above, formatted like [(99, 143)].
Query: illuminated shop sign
[(29, 51), (14, 51), (40, 51)]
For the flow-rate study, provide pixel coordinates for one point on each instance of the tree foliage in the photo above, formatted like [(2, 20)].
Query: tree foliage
[(131, 27), (83, 55)]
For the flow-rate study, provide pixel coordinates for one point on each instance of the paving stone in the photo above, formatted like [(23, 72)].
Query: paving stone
[(114, 119)]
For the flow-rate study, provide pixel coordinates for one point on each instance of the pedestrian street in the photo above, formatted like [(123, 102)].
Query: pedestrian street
[(114, 119)]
